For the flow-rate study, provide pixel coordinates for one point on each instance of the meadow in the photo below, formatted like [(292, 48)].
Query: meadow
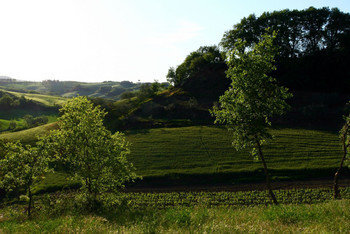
[(47, 100), (207, 149), (28, 136), (59, 217)]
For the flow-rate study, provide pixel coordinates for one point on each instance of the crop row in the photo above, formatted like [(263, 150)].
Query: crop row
[(246, 198)]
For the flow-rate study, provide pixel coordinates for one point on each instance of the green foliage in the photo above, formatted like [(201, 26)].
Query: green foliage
[(22, 167), (35, 121), (202, 73), (93, 155), (313, 46), (300, 32), (149, 90), (254, 97), (47, 100), (300, 150), (226, 199), (28, 136)]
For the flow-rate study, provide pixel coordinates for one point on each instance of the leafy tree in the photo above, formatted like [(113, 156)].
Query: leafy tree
[(252, 99), (92, 154), (345, 140), (21, 167), (202, 74)]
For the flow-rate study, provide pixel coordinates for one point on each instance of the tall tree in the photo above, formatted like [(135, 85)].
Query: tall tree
[(252, 99), (93, 155)]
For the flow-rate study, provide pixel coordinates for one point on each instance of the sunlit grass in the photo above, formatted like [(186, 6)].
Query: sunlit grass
[(28, 136), (45, 99), (202, 149), (329, 217)]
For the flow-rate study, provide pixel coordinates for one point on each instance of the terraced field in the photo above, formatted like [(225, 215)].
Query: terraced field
[(207, 150)]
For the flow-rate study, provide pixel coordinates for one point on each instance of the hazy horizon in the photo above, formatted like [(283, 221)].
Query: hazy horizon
[(96, 41)]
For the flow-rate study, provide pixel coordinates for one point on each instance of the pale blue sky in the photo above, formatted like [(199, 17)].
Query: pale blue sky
[(98, 40)]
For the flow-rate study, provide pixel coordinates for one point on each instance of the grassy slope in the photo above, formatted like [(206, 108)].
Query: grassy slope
[(45, 99), (208, 150), (202, 149), (203, 155), (28, 136), (328, 217), (17, 115)]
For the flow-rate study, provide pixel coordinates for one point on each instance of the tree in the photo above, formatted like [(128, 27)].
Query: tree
[(202, 74), (21, 167), (345, 140), (92, 154), (252, 99)]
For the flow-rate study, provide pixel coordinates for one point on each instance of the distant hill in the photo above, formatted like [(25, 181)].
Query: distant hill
[(68, 89)]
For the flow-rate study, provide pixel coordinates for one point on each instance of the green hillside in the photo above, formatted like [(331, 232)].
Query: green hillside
[(28, 136), (68, 89), (207, 150), (47, 100)]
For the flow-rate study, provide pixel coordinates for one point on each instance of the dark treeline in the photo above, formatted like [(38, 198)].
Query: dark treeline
[(314, 46), (202, 73), (312, 59)]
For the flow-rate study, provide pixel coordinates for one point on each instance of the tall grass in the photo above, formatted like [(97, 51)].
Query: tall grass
[(330, 217)]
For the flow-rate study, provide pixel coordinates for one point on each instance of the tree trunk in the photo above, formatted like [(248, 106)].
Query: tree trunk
[(336, 193), (30, 201), (268, 183)]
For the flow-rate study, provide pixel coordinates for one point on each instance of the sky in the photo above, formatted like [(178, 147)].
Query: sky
[(116, 40)]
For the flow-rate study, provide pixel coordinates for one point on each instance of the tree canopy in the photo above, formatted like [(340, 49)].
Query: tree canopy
[(21, 167), (90, 152), (313, 46), (202, 72), (253, 97), (299, 32)]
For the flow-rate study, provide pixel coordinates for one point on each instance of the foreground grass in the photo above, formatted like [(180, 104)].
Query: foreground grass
[(333, 216)]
